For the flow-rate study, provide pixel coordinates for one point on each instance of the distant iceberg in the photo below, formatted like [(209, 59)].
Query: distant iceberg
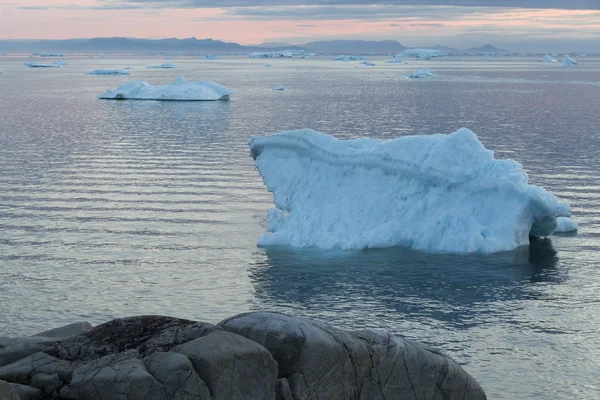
[(441, 193), (548, 59), (273, 54), (421, 73), (180, 89), (167, 65), (109, 72), (33, 64), (61, 63), (425, 54), (395, 61), (568, 62), (280, 87), (211, 57), (368, 63), (348, 58)]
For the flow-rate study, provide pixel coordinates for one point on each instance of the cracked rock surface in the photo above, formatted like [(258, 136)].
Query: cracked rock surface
[(259, 355)]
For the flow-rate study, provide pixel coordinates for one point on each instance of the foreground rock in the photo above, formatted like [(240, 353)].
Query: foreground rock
[(250, 356)]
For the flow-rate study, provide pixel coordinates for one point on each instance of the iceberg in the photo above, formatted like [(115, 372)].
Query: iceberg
[(273, 54), (33, 64), (368, 63), (167, 65), (548, 59), (179, 89), (568, 62), (565, 225), (109, 72), (438, 193), (211, 57), (421, 73), (425, 54), (280, 87), (395, 61), (349, 58), (61, 63)]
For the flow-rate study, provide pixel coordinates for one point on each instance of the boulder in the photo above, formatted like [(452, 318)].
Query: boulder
[(14, 391), (319, 361)]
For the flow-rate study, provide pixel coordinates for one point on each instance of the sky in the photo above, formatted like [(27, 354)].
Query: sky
[(517, 25)]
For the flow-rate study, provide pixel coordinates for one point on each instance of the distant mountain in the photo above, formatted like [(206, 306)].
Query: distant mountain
[(356, 47), (273, 45), (488, 48)]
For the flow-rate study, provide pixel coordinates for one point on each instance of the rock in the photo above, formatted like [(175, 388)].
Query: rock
[(14, 391), (232, 366), (250, 356), (323, 362)]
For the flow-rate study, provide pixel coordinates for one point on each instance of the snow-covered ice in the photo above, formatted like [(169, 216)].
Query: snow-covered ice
[(109, 72), (548, 59), (167, 65), (568, 62), (280, 87), (565, 225), (179, 89), (443, 193), (33, 64), (421, 73), (425, 54)]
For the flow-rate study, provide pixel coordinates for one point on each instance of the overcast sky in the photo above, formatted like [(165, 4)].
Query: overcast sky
[(519, 25)]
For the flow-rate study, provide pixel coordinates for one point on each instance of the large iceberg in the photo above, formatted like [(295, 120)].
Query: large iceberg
[(167, 65), (421, 73), (443, 193), (548, 59), (425, 54), (179, 89), (568, 62)]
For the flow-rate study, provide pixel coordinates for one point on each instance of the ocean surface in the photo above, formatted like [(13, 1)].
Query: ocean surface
[(112, 209)]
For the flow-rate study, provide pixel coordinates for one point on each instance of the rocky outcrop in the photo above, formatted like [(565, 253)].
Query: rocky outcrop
[(250, 356)]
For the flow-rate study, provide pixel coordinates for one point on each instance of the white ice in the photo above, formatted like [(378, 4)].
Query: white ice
[(443, 193), (421, 73), (109, 72), (280, 87), (425, 54), (565, 225), (180, 89), (33, 64), (548, 59), (167, 65), (568, 62)]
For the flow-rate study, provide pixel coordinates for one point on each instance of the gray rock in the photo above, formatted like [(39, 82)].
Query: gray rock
[(323, 362), (232, 366), (22, 371), (14, 391), (177, 375), (66, 331), (48, 383)]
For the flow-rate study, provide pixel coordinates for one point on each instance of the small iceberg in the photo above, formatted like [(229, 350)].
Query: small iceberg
[(280, 87), (267, 65), (61, 63), (421, 73), (424, 54), (211, 57), (438, 193), (179, 89), (33, 64), (368, 63), (568, 62), (167, 65), (1, 72), (349, 58), (109, 72), (548, 59), (394, 61)]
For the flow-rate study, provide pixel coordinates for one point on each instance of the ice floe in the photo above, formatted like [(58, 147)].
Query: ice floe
[(421, 73), (180, 89), (442, 193), (348, 58), (109, 72), (167, 65), (280, 87), (33, 64)]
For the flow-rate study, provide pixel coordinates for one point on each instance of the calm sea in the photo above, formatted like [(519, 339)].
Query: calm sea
[(110, 209)]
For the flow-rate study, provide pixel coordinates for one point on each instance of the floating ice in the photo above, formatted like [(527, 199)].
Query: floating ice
[(425, 54), (435, 193), (395, 61), (568, 62), (348, 58), (368, 63), (421, 73), (109, 72), (280, 87), (211, 57), (548, 59), (273, 54), (180, 89), (565, 224), (167, 65), (1, 72), (33, 64), (61, 63)]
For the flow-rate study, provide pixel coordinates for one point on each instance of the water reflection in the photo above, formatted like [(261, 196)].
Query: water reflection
[(400, 283)]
